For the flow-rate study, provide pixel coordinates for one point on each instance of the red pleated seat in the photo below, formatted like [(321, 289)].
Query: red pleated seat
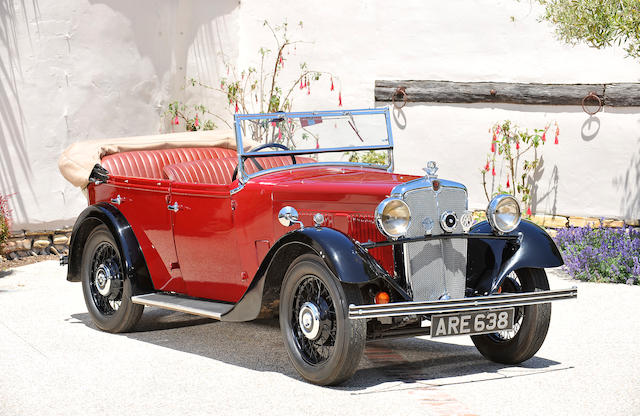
[(212, 171), (220, 171), (150, 163)]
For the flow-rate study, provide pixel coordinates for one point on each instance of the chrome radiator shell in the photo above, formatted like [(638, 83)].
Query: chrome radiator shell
[(435, 269)]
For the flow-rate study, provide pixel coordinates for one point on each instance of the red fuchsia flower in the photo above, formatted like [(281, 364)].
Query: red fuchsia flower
[(281, 61), (279, 134), (518, 145), (301, 86), (557, 134), (236, 106), (308, 90), (221, 85), (529, 210), (493, 171), (497, 129), (195, 122), (331, 84), (508, 184), (486, 167), (544, 135), (273, 124), (340, 99), (176, 121), (317, 144), (493, 146)]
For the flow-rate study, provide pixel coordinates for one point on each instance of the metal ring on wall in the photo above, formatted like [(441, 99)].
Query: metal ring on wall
[(594, 96), (399, 90)]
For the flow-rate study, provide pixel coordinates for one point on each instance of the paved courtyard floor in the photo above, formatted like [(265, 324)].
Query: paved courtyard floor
[(53, 361)]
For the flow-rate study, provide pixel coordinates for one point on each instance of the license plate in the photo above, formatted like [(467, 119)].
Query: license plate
[(472, 323)]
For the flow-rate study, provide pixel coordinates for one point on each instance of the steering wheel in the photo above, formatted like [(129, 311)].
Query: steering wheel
[(255, 161)]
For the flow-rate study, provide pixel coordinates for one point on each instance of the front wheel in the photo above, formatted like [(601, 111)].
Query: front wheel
[(324, 345), (531, 322), (107, 291)]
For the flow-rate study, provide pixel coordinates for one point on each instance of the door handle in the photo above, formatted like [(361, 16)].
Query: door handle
[(117, 200), (175, 207)]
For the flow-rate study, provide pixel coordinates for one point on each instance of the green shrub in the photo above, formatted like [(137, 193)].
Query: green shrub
[(4, 221)]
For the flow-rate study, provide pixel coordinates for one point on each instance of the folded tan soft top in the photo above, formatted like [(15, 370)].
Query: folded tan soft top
[(78, 160)]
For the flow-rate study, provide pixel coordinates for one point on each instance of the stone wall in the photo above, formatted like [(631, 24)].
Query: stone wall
[(33, 243), (552, 223)]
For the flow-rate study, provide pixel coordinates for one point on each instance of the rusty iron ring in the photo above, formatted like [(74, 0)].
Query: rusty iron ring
[(399, 90), (594, 96)]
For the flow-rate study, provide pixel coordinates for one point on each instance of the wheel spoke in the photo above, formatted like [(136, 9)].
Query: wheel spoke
[(318, 350)]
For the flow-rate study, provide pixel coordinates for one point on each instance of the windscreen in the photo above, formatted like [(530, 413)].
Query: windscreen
[(357, 136)]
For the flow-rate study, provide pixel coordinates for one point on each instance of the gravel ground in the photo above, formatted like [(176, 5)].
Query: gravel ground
[(54, 361)]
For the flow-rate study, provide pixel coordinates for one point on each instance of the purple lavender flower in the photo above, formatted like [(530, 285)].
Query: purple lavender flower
[(601, 254)]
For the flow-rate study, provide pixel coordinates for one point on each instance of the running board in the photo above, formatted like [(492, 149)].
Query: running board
[(207, 308)]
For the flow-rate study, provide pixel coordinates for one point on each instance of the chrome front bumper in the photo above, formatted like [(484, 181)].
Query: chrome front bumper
[(459, 305)]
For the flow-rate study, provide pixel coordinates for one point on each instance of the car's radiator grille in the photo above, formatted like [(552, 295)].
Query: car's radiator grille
[(439, 266)]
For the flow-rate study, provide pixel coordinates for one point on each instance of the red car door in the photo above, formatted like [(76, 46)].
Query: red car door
[(206, 242), (143, 202)]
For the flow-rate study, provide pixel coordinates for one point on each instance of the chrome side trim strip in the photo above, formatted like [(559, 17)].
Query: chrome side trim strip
[(459, 305), (209, 309)]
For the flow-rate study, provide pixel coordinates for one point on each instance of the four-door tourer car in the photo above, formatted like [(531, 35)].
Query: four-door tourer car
[(305, 218)]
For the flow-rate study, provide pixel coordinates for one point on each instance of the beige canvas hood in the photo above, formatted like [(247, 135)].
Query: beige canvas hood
[(77, 161)]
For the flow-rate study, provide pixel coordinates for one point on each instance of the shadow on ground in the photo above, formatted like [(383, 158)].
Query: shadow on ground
[(258, 346)]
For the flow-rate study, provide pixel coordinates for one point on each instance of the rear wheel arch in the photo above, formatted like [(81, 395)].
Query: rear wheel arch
[(130, 252)]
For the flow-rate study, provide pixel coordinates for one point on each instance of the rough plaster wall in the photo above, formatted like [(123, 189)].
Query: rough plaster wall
[(73, 70), (77, 69), (594, 171)]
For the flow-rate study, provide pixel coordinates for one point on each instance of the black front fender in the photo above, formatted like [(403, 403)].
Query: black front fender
[(490, 261), (130, 252), (347, 260)]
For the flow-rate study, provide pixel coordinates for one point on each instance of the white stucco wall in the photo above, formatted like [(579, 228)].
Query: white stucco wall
[(78, 69), (595, 169)]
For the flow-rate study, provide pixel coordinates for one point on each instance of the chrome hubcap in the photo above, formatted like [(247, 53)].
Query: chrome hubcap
[(309, 320), (103, 280)]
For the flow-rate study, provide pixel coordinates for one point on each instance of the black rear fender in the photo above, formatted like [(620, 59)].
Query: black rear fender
[(104, 214)]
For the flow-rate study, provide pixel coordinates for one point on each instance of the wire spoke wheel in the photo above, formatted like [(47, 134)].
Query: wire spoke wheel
[(107, 290), (531, 322), (106, 284), (317, 348), (324, 345)]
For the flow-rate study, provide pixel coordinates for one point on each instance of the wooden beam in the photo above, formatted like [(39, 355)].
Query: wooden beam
[(622, 95), (427, 91)]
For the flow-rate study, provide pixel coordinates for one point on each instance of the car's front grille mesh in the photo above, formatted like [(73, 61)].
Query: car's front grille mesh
[(439, 266)]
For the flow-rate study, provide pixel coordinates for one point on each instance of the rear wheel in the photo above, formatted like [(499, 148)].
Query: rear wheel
[(531, 322), (324, 345), (107, 291)]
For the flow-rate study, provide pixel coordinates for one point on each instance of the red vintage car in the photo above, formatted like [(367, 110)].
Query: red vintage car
[(311, 224)]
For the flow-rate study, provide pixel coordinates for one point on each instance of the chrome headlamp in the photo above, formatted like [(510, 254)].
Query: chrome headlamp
[(503, 213), (393, 217)]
